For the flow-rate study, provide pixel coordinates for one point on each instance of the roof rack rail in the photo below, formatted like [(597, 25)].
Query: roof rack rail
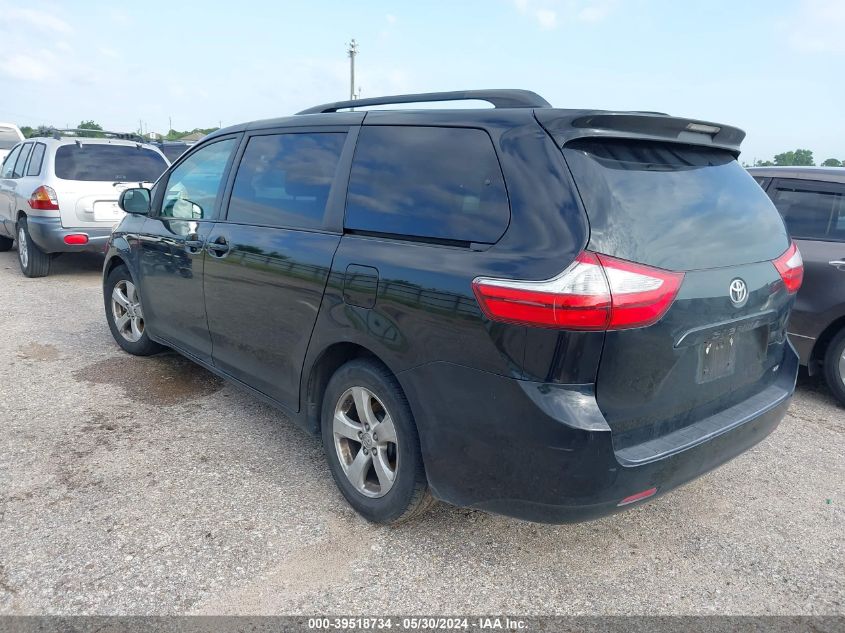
[(58, 133), (498, 98)]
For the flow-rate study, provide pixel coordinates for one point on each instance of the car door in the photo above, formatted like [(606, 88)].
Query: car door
[(814, 213), (170, 247), (268, 259), (7, 192)]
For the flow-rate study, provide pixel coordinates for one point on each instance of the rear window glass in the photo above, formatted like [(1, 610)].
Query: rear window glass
[(429, 182), (115, 163), (673, 206), (9, 138)]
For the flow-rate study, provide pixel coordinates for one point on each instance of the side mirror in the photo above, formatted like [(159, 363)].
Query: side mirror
[(135, 201)]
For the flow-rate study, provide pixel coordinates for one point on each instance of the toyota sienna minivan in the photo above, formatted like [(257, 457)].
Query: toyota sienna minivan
[(545, 313)]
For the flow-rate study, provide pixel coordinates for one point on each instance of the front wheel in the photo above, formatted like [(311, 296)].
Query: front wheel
[(125, 314), (371, 444), (834, 366), (34, 262)]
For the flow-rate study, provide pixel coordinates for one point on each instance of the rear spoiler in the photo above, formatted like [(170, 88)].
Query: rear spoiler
[(566, 126)]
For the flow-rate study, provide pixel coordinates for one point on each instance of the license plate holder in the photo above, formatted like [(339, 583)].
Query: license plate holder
[(717, 358)]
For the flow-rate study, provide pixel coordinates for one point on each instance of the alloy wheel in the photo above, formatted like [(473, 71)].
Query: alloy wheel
[(23, 248), (365, 441), (127, 312)]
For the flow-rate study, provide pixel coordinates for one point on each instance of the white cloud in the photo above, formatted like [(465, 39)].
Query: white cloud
[(34, 19), (25, 67), (549, 14), (391, 19), (818, 27), (546, 18)]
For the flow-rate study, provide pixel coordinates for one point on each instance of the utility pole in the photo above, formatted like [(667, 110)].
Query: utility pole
[(352, 51)]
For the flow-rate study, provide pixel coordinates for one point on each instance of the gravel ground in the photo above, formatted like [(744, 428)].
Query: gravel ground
[(149, 486)]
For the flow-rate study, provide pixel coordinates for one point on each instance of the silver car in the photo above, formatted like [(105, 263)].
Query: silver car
[(60, 194)]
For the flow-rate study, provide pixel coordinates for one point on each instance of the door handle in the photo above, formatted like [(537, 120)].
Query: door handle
[(838, 263), (193, 245), (219, 247)]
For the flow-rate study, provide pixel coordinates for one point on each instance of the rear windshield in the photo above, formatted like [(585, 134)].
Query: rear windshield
[(9, 138), (673, 206), (115, 163)]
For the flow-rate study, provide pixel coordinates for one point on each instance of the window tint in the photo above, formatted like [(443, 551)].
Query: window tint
[(680, 207), (441, 183), (20, 164), (193, 186), (9, 162), (284, 179), (111, 163), (811, 213), (36, 160)]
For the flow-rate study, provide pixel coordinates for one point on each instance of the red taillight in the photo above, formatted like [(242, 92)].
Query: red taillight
[(790, 265), (44, 198), (645, 494), (75, 239), (595, 292)]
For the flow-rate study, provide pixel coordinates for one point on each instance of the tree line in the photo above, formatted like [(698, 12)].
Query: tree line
[(93, 129), (796, 158)]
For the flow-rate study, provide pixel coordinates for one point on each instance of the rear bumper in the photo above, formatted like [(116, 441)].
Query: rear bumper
[(543, 452), (49, 236)]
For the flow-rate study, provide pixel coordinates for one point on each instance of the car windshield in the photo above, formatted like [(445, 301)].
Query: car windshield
[(113, 163)]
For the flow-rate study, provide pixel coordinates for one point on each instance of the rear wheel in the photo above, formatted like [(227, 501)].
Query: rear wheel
[(6, 244), (125, 314), (834, 366), (34, 262), (371, 443)]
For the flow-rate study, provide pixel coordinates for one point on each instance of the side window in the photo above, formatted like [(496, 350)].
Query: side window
[(430, 182), (809, 212), (9, 162), (193, 186), (284, 180), (20, 164), (36, 160)]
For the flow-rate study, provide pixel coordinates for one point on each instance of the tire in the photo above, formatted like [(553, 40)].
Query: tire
[(6, 244), (131, 333), (33, 261), (374, 495), (834, 366)]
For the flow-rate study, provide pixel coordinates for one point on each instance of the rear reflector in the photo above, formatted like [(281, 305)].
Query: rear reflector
[(595, 292), (44, 198), (645, 494), (76, 239), (790, 265)]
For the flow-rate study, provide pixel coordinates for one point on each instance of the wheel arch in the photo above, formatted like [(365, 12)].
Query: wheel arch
[(324, 366), (823, 341)]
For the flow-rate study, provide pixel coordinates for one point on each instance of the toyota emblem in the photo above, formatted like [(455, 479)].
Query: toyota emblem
[(738, 292)]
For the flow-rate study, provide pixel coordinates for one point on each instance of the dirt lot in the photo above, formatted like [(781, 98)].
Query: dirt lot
[(148, 486)]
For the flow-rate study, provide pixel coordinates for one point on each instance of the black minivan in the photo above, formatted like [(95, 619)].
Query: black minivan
[(550, 314)]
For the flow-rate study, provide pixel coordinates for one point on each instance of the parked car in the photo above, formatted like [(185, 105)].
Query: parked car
[(59, 195), (171, 149), (10, 135), (549, 314), (812, 203)]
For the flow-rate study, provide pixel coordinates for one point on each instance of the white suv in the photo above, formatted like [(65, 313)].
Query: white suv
[(60, 194)]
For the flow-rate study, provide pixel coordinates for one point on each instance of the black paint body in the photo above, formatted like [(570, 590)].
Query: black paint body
[(536, 423)]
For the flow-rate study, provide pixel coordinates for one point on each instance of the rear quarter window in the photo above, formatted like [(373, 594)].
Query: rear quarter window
[(112, 163), (36, 160), (427, 182)]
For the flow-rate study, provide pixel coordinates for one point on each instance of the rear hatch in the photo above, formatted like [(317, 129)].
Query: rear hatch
[(91, 176), (690, 209)]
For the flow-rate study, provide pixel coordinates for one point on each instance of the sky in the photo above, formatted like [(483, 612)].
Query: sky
[(771, 67)]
